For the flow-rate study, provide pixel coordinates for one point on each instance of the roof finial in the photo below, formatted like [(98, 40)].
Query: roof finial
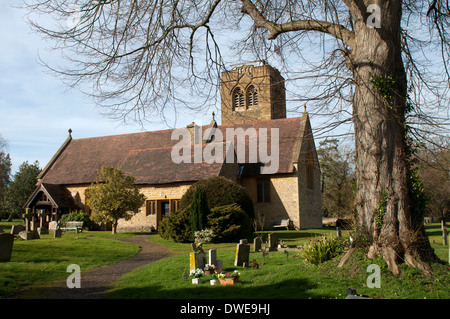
[(70, 132), (213, 115), (304, 107)]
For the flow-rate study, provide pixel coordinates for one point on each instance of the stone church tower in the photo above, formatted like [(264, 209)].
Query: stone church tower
[(252, 92)]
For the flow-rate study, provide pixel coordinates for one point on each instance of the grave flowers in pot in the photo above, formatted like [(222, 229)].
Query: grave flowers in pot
[(209, 269), (197, 274), (229, 278)]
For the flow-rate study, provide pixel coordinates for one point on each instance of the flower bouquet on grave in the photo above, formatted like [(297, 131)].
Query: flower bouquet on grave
[(197, 274), (229, 278), (209, 269)]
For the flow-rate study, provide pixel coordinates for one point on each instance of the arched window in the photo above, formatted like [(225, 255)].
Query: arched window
[(238, 100), (252, 96)]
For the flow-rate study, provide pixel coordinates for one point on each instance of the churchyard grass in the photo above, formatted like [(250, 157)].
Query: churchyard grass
[(40, 261), (280, 277)]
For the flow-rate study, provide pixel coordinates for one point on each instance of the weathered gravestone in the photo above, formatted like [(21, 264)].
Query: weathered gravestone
[(6, 244), (16, 229), (1, 230), (197, 259), (58, 233), (273, 241), (257, 243), (242, 253)]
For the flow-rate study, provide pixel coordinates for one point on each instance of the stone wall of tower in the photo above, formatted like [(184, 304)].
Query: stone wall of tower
[(252, 92)]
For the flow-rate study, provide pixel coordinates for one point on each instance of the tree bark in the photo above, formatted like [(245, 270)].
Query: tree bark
[(379, 106)]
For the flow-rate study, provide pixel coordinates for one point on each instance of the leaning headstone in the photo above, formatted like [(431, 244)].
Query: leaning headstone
[(58, 233), (16, 229), (273, 241), (6, 244), (242, 253), (257, 243), (212, 257), (29, 235)]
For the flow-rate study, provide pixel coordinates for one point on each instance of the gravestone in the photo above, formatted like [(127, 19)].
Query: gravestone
[(197, 259), (257, 243), (219, 265), (16, 229), (212, 257), (242, 253), (6, 244), (273, 241), (1, 230), (58, 233)]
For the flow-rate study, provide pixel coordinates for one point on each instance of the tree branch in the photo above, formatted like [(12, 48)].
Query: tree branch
[(338, 31)]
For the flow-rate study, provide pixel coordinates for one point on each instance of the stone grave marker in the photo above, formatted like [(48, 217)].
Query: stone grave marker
[(273, 241), (212, 257), (242, 253), (257, 243), (58, 233), (1, 230), (219, 265), (16, 229), (6, 244), (197, 259)]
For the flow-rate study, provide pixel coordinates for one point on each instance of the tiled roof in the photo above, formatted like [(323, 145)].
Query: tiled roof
[(147, 155)]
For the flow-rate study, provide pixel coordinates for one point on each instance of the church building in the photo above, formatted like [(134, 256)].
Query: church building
[(255, 145)]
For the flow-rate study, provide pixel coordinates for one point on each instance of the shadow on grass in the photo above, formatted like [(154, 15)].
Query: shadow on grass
[(292, 288)]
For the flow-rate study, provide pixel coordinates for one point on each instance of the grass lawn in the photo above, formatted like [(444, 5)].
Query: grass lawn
[(281, 278), (37, 262)]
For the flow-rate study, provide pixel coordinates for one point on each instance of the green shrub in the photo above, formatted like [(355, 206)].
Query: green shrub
[(176, 227), (76, 216), (229, 223), (220, 191), (198, 210), (319, 250)]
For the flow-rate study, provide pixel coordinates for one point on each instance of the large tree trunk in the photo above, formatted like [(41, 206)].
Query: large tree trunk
[(382, 169)]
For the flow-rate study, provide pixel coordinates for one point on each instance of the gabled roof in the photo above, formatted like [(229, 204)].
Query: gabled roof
[(147, 155), (58, 195)]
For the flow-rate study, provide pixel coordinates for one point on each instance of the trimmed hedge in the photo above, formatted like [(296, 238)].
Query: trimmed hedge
[(229, 217), (221, 191), (229, 223)]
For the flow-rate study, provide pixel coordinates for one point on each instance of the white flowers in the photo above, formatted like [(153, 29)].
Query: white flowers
[(197, 273)]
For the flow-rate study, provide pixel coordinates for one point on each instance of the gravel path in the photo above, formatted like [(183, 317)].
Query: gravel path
[(95, 282)]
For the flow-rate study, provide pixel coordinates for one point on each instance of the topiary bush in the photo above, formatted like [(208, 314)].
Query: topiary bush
[(198, 210), (229, 223), (221, 191), (176, 227)]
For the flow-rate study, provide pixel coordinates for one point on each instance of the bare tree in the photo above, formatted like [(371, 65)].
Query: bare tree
[(374, 71)]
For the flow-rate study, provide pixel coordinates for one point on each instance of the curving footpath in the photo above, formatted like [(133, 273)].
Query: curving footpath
[(96, 282)]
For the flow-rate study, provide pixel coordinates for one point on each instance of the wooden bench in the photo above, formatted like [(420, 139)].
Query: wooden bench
[(76, 226), (284, 223)]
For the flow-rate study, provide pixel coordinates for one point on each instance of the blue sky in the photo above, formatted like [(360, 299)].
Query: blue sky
[(36, 109)]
